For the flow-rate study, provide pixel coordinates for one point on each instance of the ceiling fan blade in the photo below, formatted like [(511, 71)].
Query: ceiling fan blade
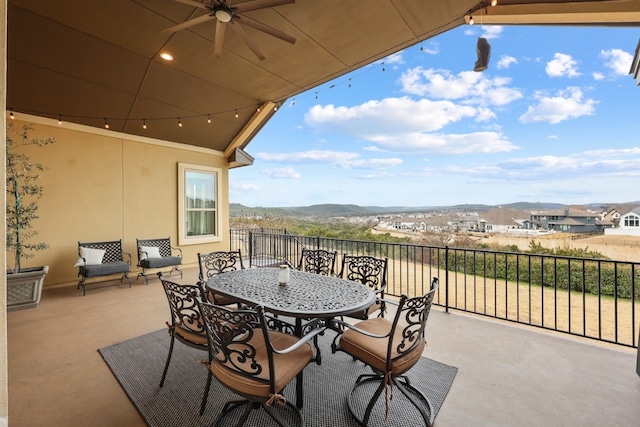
[(193, 3), (265, 28), (248, 40), (219, 38), (189, 23), (260, 4)]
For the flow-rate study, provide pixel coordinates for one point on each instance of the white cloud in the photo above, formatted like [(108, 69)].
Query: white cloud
[(506, 61), (617, 60), (394, 58), (344, 160), (312, 156), (567, 104), (472, 87), (371, 163), (562, 65), (551, 168), (598, 76), (491, 31), (282, 173), (430, 47), (391, 115), (613, 152), (477, 142)]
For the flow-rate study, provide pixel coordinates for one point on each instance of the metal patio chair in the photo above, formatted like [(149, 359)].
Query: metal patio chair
[(390, 348), (252, 361)]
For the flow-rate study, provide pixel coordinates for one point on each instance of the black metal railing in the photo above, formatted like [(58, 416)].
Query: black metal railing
[(592, 298)]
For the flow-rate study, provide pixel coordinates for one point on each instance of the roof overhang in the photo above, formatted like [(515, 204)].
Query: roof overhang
[(91, 62)]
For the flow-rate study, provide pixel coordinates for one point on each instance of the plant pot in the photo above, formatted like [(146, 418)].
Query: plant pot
[(24, 289)]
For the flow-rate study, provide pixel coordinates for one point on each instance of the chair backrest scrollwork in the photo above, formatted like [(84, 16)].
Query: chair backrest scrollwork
[(234, 336), (369, 271), (318, 261), (414, 313), (213, 263), (183, 304)]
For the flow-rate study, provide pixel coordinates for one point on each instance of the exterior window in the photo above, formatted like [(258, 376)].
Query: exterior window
[(632, 221), (197, 204)]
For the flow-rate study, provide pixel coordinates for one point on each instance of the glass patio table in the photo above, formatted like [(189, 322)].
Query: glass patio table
[(305, 296)]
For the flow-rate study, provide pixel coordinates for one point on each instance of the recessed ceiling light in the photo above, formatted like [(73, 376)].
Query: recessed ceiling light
[(166, 56)]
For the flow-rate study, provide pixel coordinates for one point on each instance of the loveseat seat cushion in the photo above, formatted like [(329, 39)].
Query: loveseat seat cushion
[(95, 270), (164, 261)]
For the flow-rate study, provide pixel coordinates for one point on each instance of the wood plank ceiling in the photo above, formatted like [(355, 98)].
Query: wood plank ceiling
[(85, 61)]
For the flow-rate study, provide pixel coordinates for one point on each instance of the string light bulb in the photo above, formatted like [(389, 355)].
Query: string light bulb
[(106, 124), (471, 21), (494, 2), (258, 109), (179, 122), (11, 114), (236, 113), (144, 123), (209, 118), (60, 119)]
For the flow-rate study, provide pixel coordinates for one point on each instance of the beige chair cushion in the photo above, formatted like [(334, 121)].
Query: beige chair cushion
[(192, 336), (287, 366), (373, 351)]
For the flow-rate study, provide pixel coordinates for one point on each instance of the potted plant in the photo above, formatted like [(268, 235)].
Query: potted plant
[(24, 285)]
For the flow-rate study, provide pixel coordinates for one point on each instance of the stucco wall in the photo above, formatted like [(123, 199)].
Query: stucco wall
[(102, 185)]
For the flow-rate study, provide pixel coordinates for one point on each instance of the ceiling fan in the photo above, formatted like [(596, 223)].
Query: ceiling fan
[(225, 14)]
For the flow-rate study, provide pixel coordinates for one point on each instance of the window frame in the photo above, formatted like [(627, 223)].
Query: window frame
[(183, 238)]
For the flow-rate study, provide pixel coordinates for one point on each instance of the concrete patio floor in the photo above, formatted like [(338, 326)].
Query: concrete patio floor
[(508, 375)]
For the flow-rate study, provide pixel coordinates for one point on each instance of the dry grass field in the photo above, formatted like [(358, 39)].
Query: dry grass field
[(574, 312)]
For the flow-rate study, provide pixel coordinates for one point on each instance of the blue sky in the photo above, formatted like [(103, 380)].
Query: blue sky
[(553, 119)]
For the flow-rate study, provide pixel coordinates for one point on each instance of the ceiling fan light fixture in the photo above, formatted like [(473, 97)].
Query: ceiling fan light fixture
[(223, 15)]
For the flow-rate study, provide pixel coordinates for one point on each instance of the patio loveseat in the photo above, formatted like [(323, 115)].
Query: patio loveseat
[(157, 253), (98, 259)]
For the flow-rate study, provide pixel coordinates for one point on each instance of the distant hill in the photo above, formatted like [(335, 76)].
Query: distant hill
[(336, 210)]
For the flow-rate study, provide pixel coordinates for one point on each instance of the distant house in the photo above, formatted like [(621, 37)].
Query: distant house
[(613, 212), (629, 224), (500, 220), (569, 221), (403, 223)]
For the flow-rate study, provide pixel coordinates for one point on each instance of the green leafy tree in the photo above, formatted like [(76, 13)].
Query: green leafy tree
[(23, 192)]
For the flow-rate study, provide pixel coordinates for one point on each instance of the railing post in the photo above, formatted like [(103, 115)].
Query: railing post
[(250, 248), (446, 279)]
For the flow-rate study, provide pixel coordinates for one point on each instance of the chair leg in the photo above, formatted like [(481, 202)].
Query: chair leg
[(411, 392), (230, 406), (362, 379), (166, 365), (206, 393), (417, 398), (279, 420)]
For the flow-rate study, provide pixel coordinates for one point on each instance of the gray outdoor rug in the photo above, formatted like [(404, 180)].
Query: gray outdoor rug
[(138, 362)]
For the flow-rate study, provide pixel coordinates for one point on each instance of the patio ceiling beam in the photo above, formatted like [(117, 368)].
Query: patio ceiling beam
[(613, 12)]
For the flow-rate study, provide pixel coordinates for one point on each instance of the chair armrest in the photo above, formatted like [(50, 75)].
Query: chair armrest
[(177, 249), (127, 254), (305, 339), (355, 328)]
